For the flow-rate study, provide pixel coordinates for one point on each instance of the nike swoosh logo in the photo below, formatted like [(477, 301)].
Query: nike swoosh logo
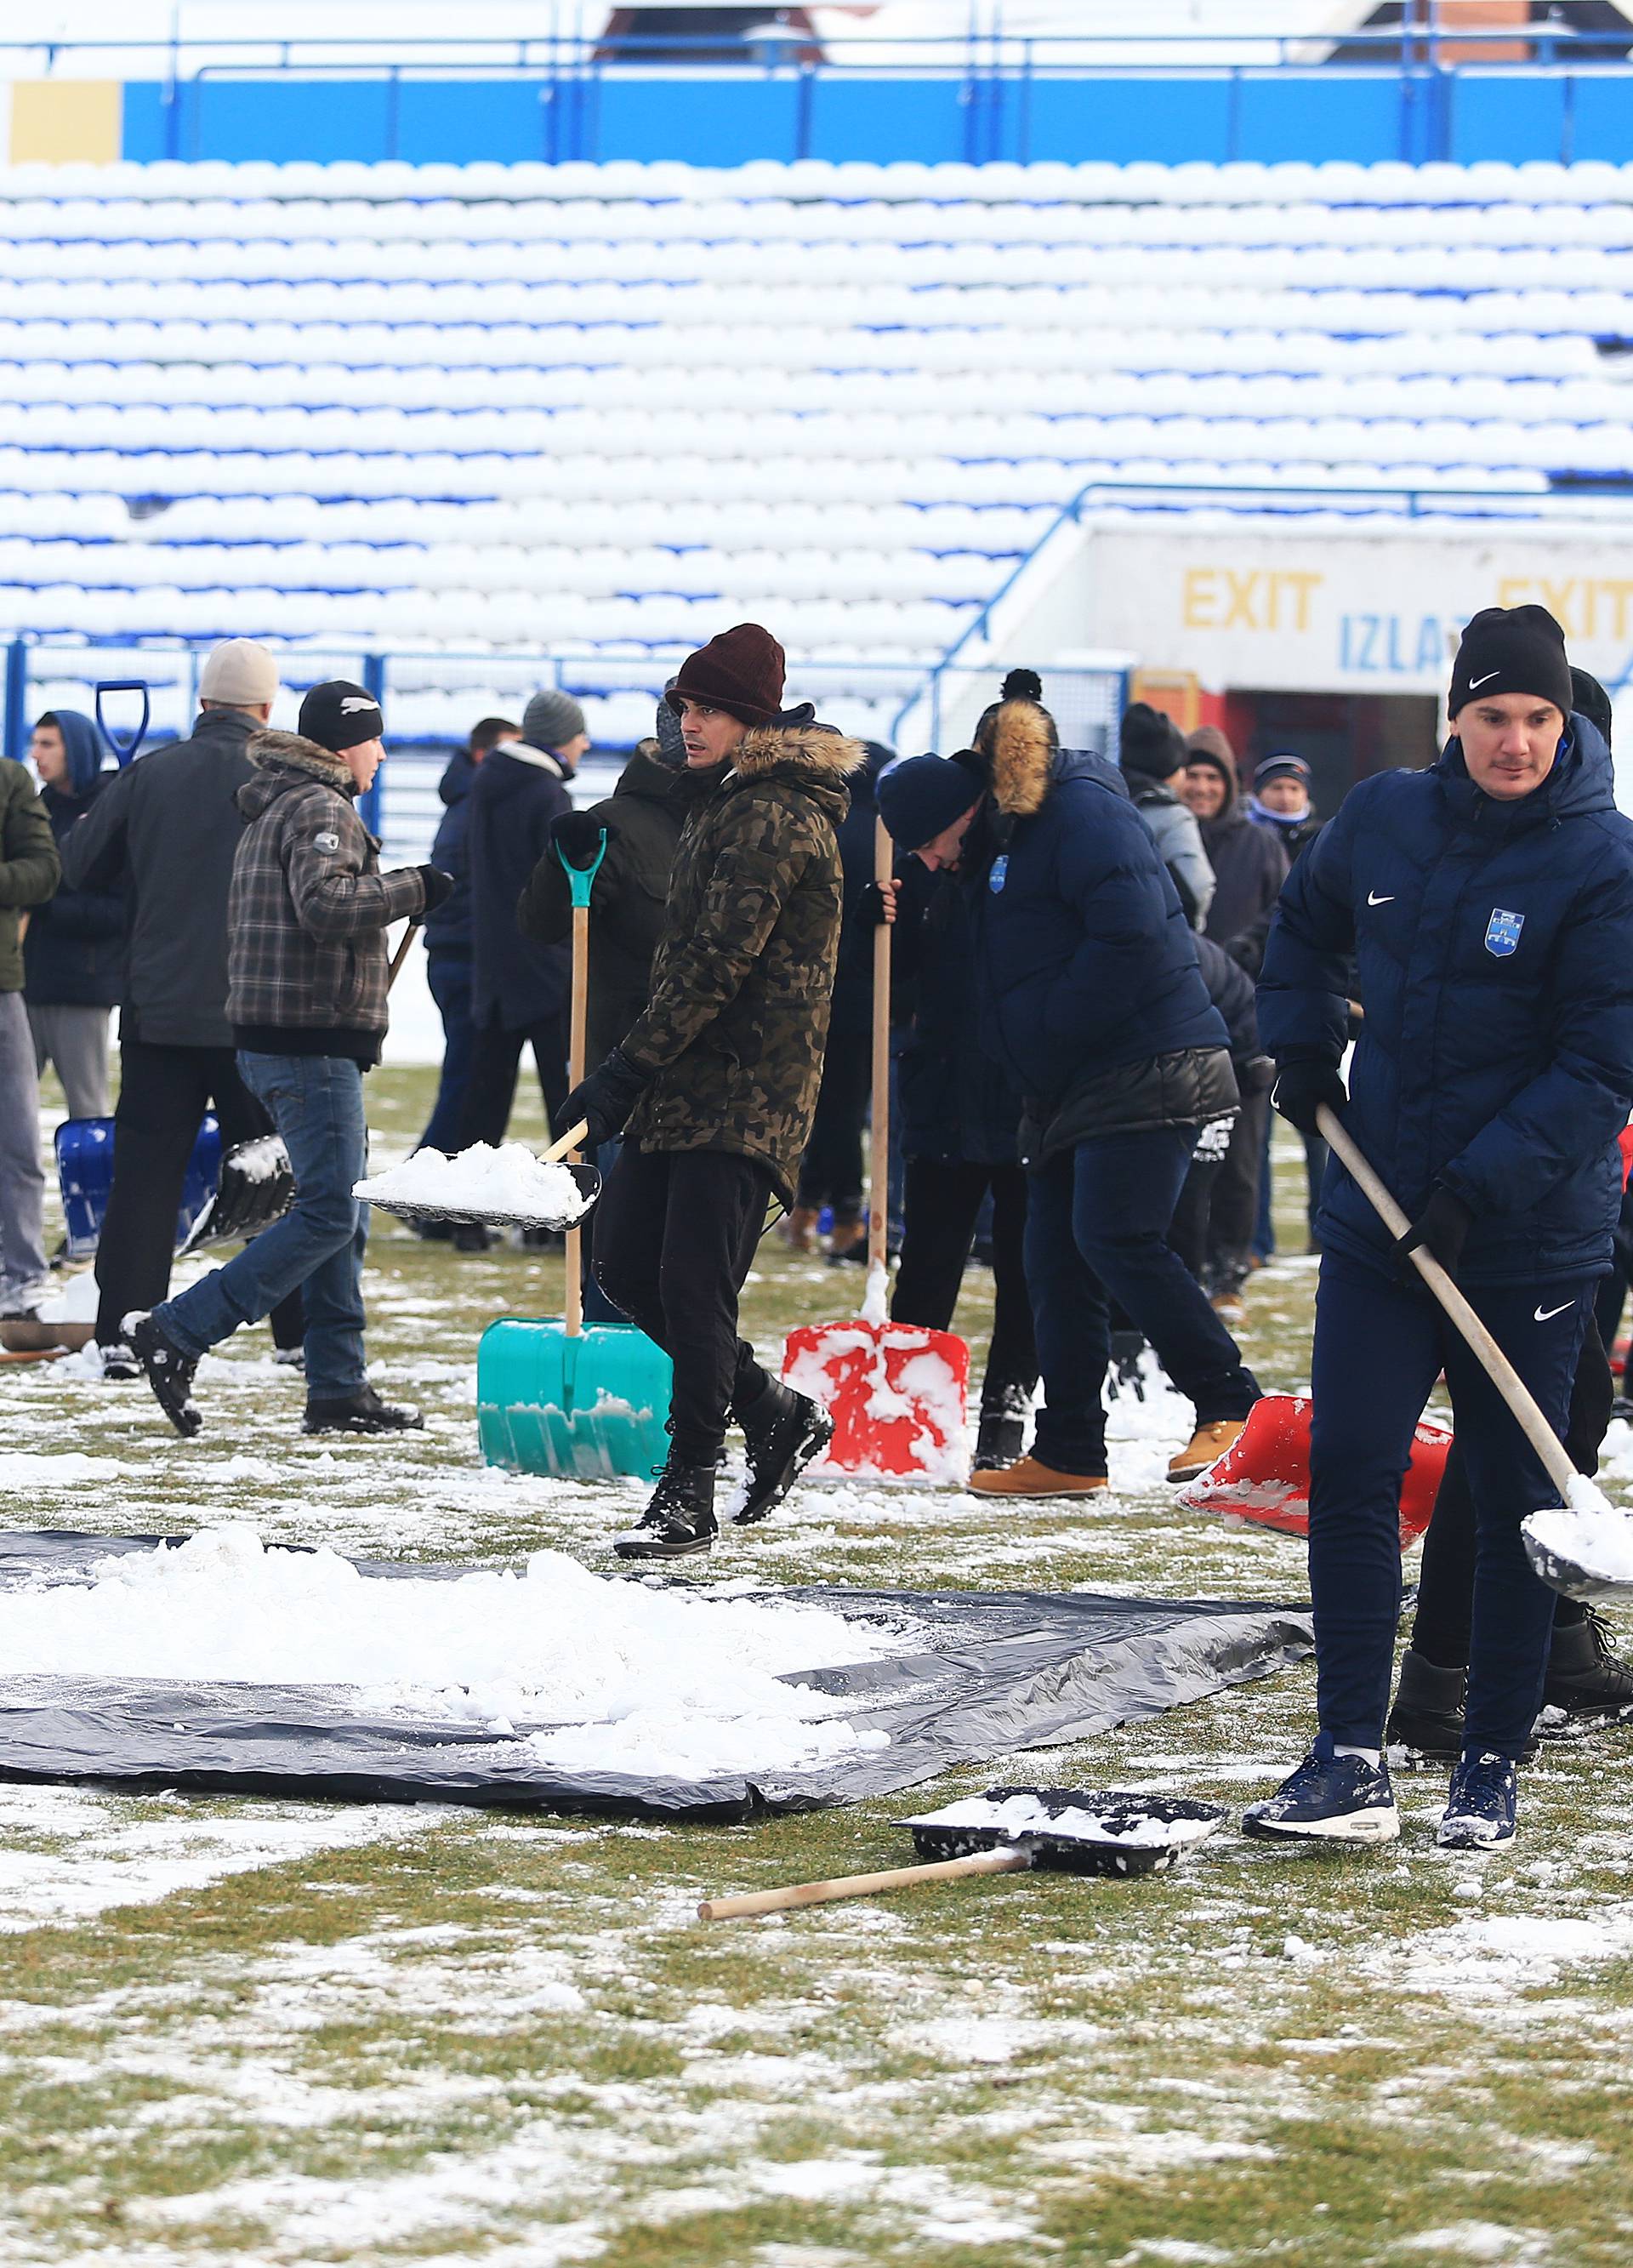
[(1546, 1314), (1373, 898), (1475, 683)]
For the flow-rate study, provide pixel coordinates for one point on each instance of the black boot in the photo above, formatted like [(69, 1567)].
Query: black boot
[(783, 1433), (169, 1372), (362, 1412), (1127, 1347), (1586, 1683), (1001, 1435), (1427, 1718), (680, 1520)]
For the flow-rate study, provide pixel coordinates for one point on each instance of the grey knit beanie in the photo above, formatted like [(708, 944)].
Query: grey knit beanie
[(551, 718)]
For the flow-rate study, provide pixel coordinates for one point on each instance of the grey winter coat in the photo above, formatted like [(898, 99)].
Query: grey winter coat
[(309, 908), (1178, 838)]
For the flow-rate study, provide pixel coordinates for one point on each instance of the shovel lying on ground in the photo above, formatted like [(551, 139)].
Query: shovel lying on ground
[(1012, 1830), (1265, 1476), (85, 1170), (896, 1392), (1583, 1546)]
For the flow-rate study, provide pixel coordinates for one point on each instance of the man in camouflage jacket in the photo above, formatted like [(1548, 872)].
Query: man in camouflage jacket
[(308, 982), (717, 1081)]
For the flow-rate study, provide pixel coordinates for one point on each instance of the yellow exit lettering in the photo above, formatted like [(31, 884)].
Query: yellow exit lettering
[(1249, 598)]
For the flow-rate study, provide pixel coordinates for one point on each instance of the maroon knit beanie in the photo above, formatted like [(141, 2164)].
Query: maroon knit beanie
[(741, 671)]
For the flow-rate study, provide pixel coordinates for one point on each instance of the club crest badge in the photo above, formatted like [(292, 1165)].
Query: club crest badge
[(999, 875), (1503, 933)]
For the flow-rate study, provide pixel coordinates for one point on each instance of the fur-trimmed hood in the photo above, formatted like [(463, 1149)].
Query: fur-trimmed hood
[(1024, 750), (268, 751), (826, 754)]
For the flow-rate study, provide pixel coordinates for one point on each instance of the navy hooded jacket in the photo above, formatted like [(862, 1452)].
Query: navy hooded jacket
[(517, 796), (448, 930), (74, 954), (1085, 960), (1494, 946)]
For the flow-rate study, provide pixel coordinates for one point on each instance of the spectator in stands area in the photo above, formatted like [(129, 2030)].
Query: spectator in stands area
[(448, 937), (1152, 754), (1281, 801), (1249, 865), (74, 956), (307, 984), (30, 870), (165, 832), (518, 988), (716, 1082)]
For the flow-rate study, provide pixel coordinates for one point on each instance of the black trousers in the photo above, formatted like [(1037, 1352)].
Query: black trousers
[(830, 1173), (1233, 1215), (943, 1204), (1445, 1587), (675, 1234), (163, 1094), (496, 1059)]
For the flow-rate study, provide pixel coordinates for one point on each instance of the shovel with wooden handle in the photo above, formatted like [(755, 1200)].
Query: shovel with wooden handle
[(578, 881)]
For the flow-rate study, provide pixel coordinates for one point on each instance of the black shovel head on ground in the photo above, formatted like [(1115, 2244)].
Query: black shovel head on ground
[(1070, 1830), (255, 1188), (413, 1209)]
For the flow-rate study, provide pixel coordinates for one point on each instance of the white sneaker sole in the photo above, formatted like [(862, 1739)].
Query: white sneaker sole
[(1360, 1827)]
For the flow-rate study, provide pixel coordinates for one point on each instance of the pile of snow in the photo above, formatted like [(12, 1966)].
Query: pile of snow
[(1021, 1814), (625, 1677), (75, 1303), (1594, 1538), (509, 1184)]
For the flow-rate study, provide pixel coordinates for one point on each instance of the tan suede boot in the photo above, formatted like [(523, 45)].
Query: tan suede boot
[(1028, 1477)]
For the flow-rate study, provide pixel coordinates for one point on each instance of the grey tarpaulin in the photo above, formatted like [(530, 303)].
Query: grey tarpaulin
[(1003, 1670)]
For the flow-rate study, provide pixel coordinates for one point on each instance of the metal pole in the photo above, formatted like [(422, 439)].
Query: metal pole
[(370, 805), (15, 699)]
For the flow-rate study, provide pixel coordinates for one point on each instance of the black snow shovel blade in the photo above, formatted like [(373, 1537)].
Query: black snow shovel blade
[(586, 1180), (256, 1186)]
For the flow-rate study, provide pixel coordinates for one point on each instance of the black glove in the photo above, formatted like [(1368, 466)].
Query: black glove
[(1302, 1087), (577, 836), (438, 885), (1440, 1230), (604, 1100), (871, 907)]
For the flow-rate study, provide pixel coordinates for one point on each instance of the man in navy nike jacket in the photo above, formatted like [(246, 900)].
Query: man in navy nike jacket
[(1489, 904)]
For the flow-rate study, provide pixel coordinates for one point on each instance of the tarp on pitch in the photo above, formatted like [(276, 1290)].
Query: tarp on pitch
[(1003, 1670)]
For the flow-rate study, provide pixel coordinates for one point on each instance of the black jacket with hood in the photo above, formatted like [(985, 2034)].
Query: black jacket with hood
[(517, 796), (1249, 865), (73, 955)]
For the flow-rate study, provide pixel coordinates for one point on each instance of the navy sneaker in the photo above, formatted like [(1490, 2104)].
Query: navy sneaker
[(1329, 1799), (1479, 1808)]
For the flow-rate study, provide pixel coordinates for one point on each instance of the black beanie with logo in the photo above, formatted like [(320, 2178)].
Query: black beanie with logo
[(338, 716), (1512, 649)]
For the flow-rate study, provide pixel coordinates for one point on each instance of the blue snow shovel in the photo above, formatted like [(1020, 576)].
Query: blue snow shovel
[(553, 1397), (125, 746), (85, 1169)]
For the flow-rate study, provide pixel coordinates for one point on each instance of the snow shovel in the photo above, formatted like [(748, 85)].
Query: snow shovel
[(124, 746), (1014, 1830), (1265, 1476), (896, 1392), (85, 1172), (1583, 1546), (554, 1397)]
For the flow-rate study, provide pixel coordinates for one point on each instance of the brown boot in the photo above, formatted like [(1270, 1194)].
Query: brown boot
[(800, 1229), (848, 1239), (1206, 1444), (1030, 1479)]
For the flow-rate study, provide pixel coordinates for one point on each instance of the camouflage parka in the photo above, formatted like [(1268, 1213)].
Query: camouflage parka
[(734, 1032)]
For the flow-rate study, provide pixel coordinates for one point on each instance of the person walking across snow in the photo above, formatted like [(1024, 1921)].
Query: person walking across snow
[(715, 1085), (1489, 904)]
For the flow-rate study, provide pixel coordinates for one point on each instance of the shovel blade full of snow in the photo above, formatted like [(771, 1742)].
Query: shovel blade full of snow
[(1265, 1476), (256, 1186), (588, 1405), (85, 1171), (450, 1205)]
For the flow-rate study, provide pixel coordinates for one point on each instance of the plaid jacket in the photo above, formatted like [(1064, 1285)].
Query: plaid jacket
[(309, 906)]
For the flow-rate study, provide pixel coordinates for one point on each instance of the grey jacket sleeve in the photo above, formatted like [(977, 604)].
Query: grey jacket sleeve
[(1179, 840)]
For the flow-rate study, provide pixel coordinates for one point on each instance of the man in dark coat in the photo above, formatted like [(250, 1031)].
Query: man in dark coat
[(716, 1083), (29, 872), (1249, 865), (166, 832), (448, 932), (1152, 753), (73, 955), (1488, 903), (518, 988)]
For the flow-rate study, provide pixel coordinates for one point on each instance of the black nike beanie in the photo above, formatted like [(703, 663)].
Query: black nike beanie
[(1589, 699), (1512, 649)]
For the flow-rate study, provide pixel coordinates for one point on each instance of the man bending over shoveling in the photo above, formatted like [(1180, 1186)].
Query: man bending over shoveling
[(715, 1085)]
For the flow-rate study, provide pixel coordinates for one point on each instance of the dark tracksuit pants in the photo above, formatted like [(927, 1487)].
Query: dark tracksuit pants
[(1445, 1581), (449, 976), (490, 1084), (830, 1172), (1380, 1343), (1097, 1225), (1234, 1214), (164, 1093), (676, 1232), (943, 1205)]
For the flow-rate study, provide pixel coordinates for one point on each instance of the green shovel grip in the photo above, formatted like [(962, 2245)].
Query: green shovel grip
[(579, 878)]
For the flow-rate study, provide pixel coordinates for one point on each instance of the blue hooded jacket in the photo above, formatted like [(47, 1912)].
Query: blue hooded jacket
[(1493, 943), (1085, 960), (74, 954)]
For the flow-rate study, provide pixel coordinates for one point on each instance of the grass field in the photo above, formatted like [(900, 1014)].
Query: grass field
[(270, 2032)]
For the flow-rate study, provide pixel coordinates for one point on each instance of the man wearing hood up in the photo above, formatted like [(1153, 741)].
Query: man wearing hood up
[(73, 956), (1489, 904)]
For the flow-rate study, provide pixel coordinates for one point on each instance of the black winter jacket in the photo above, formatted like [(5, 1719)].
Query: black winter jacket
[(1249, 867), (518, 794), (448, 930), (74, 956), (166, 831), (956, 1105), (643, 818)]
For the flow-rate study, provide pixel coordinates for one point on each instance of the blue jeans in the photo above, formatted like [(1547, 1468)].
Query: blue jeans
[(1097, 1223), (449, 976), (1380, 1343), (316, 1103)]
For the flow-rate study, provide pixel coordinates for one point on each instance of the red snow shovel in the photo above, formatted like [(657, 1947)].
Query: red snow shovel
[(896, 1392), (1264, 1475)]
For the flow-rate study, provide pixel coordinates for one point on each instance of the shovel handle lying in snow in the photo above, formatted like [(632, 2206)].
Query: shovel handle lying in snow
[(1550, 1450), (1012, 1861)]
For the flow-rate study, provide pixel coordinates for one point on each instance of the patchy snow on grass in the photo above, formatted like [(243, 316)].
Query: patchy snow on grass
[(1497, 1957)]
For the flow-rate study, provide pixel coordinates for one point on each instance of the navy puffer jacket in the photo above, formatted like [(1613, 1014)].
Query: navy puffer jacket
[(1494, 947), (1085, 960)]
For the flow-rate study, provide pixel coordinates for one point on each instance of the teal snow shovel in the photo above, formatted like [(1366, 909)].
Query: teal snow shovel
[(553, 1397)]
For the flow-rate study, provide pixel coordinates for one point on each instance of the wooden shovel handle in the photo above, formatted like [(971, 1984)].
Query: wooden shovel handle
[(578, 1030), (569, 1142), (1492, 1359), (879, 1161), (401, 954), (1013, 1861)]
